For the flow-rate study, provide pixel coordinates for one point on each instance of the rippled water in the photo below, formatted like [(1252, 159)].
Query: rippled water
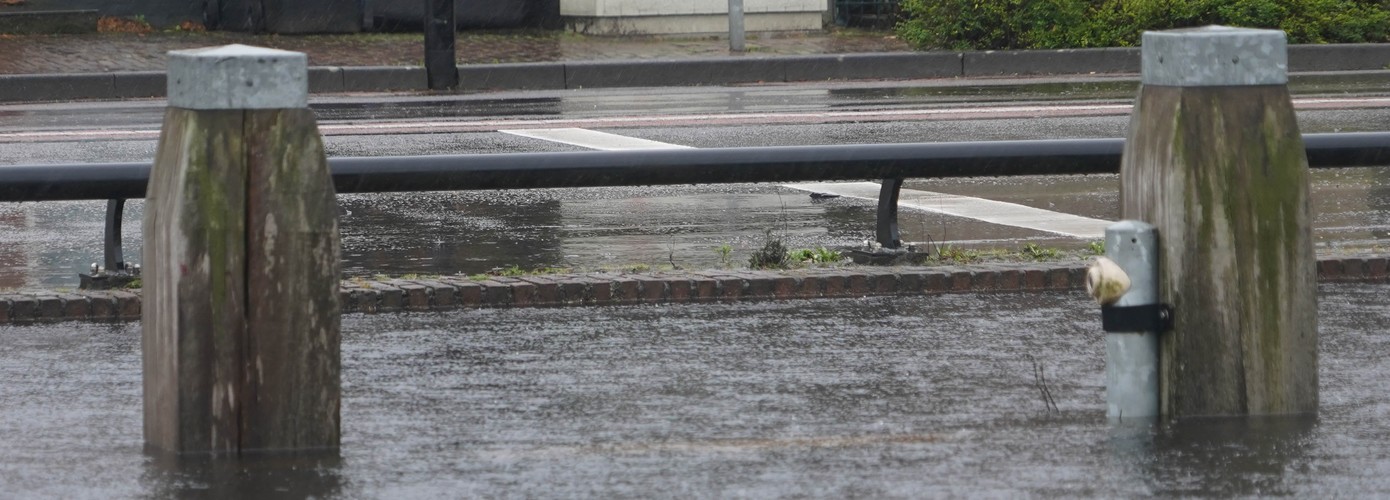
[(884, 397)]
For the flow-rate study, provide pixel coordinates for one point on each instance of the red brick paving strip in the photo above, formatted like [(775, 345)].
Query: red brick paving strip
[(597, 289)]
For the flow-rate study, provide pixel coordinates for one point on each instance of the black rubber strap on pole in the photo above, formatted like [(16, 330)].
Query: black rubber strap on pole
[(1156, 318)]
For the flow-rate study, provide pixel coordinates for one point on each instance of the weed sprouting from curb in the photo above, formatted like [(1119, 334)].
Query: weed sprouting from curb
[(819, 255), (726, 252), (773, 254), (1035, 252), (671, 253), (956, 255)]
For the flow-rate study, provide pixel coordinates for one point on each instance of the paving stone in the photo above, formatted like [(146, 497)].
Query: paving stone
[(76, 306), (49, 308), (104, 306), (680, 289), (547, 292), (1330, 270), (416, 296), (127, 304)]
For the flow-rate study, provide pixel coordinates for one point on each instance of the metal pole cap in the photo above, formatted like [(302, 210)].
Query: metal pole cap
[(238, 77), (1214, 56)]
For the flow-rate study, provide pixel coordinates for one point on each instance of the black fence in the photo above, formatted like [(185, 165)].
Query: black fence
[(876, 14)]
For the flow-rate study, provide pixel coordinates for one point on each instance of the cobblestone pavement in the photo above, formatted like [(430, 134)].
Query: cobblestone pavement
[(96, 53)]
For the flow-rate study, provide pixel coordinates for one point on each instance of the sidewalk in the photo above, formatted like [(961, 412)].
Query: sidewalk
[(116, 66), (98, 53)]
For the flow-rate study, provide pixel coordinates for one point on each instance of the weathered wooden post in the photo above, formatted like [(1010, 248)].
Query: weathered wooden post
[(241, 314), (1215, 162)]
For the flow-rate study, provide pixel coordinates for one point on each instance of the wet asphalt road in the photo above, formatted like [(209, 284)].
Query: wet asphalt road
[(884, 398), (45, 245)]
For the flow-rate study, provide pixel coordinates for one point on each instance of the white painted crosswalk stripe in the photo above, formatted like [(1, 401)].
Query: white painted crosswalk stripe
[(994, 212), (592, 139)]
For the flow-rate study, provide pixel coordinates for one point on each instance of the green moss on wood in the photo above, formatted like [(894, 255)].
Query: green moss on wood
[(1231, 207)]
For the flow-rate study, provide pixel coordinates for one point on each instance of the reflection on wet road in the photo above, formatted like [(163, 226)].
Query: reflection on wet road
[(885, 397), (45, 245)]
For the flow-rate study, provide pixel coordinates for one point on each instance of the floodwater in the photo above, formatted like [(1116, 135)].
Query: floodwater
[(959, 395)]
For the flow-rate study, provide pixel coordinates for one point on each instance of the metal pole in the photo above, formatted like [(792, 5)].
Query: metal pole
[(1131, 357), (440, 25), (736, 25)]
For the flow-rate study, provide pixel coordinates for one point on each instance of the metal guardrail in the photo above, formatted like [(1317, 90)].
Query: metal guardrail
[(890, 162), (101, 181)]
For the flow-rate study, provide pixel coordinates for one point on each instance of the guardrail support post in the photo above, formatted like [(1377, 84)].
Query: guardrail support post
[(1215, 162), (112, 255), (113, 272), (886, 230), (241, 314)]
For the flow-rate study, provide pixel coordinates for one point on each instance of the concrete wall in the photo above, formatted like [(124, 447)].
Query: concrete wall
[(285, 16), (625, 17), (159, 13)]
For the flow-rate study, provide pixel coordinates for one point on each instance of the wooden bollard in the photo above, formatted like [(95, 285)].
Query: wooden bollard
[(241, 314), (1214, 160)]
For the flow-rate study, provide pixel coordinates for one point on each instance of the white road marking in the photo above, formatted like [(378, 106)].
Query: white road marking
[(592, 139), (402, 127), (994, 212)]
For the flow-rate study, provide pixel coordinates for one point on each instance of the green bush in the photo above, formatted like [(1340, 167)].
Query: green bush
[(1050, 24)]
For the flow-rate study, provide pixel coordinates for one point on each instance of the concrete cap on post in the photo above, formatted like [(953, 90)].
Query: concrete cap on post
[(238, 77), (1214, 56)]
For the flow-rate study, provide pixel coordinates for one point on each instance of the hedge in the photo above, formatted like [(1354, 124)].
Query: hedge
[(1054, 24)]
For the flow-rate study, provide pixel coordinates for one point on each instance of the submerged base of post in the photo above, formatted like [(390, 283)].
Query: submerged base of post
[(1131, 375)]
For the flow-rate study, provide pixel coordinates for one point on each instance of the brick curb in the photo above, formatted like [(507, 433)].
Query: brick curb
[(672, 287)]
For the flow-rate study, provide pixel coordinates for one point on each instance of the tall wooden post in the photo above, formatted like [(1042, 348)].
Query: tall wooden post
[(241, 313), (1215, 161)]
